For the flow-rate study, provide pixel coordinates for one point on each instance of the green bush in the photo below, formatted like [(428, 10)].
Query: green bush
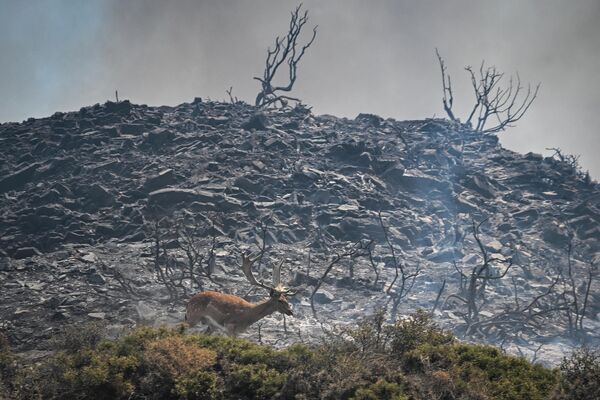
[(7, 366), (580, 379), (197, 385), (380, 390), (470, 371), (74, 338), (253, 381), (411, 359), (418, 329)]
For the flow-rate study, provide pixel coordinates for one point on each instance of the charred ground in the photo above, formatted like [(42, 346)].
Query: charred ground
[(86, 194)]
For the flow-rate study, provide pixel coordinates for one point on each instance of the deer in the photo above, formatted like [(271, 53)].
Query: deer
[(232, 314)]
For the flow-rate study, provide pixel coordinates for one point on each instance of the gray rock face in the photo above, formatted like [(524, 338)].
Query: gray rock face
[(88, 182)]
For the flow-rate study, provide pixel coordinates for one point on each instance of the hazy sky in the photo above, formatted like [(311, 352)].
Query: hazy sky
[(370, 56)]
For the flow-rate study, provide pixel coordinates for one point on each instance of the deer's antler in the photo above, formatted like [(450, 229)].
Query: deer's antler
[(247, 262)]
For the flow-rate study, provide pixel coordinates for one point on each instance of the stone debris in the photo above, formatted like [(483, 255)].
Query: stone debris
[(79, 189)]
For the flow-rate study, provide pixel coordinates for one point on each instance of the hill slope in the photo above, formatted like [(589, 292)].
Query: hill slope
[(84, 193)]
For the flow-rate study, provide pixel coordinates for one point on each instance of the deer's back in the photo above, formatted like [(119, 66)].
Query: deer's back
[(209, 296), (227, 305)]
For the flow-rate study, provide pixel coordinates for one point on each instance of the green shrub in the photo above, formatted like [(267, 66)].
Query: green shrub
[(253, 381), (7, 366), (580, 378), (197, 385), (170, 362), (380, 390), (411, 359), (417, 329), (175, 357), (485, 368), (75, 338)]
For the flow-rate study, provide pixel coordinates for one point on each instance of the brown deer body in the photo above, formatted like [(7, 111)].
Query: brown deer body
[(232, 314)]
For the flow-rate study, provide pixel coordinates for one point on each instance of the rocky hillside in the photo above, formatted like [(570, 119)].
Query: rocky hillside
[(502, 246)]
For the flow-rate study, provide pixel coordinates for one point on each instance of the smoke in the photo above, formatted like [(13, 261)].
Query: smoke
[(373, 57)]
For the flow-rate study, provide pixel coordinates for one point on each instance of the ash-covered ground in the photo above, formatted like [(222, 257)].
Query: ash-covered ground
[(105, 211)]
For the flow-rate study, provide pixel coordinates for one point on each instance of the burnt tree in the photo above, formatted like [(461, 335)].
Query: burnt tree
[(496, 107), (286, 51)]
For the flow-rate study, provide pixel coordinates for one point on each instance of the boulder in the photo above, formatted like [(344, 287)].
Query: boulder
[(158, 137), (18, 178), (169, 196), (258, 121), (26, 252), (164, 178), (555, 235), (323, 297)]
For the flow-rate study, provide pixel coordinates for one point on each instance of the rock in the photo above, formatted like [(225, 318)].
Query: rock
[(371, 119), (323, 297), (534, 157), (26, 252), (592, 233), (121, 107), (18, 178), (394, 174), (493, 246), (526, 218), (89, 258), (158, 137), (5, 264), (60, 316), (416, 180), (505, 227), (99, 195), (444, 256), (110, 131), (131, 129), (555, 235), (228, 204), (216, 121), (481, 185), (86, 183), (277, 144), (164, 178), (258, 121), (105, 230), (145, 311), (95, 278), (170, 196), (97, 315), (249, 185), (464, 205), (302, 279), (365, 159), (433, 126), (259, 165), (53, 302)]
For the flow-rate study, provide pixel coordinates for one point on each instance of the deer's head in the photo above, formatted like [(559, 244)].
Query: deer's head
[(278, 294)]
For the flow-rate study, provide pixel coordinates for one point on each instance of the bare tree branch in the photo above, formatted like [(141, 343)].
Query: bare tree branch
[(287, 51), (503, 105)]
